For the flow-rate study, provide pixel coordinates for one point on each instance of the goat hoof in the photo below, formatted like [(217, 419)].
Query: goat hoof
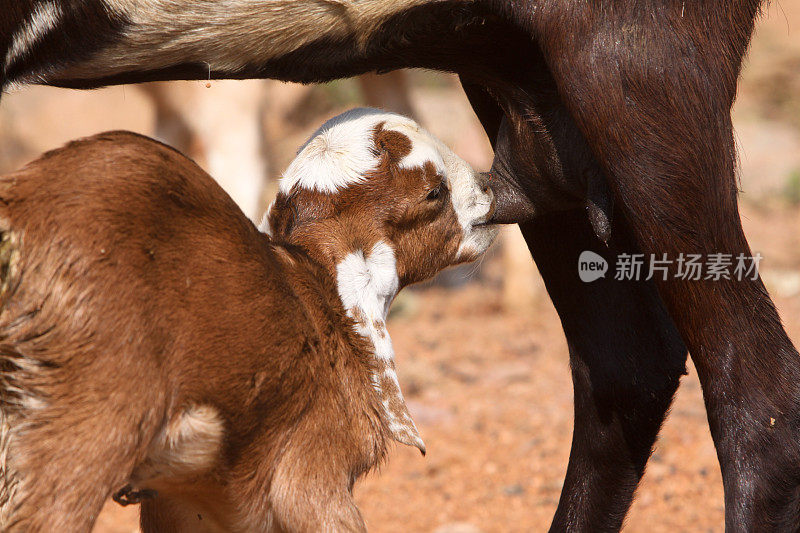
[(127, 496)]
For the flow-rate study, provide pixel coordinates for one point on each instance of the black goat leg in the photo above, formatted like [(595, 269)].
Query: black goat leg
[(626, 359)]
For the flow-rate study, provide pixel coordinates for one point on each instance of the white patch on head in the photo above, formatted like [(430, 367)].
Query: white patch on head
[(421, 154), (425, 148), (340, 153), (43, 19)]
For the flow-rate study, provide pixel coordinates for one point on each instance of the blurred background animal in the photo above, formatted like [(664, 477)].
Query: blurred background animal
[(228, 130)]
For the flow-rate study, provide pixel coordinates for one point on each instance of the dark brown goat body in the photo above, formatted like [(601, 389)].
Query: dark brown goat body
[(205, 311)]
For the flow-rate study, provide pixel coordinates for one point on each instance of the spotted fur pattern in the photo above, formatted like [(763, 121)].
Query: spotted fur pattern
[(350, 156)]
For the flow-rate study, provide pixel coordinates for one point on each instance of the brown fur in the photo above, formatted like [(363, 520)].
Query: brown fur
[(142, 307)]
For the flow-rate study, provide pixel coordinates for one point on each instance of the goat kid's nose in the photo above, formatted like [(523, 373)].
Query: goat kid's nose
[(484, 180)]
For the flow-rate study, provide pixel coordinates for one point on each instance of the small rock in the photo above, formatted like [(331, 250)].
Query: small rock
[(514, 490)]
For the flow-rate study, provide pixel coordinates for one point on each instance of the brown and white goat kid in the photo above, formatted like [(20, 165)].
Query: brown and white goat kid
[(152, 338)]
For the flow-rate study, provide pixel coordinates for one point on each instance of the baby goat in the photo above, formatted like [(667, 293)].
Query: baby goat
[(152, 338)]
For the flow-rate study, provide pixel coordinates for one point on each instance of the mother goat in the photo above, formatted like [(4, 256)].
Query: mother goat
[(589, 105)]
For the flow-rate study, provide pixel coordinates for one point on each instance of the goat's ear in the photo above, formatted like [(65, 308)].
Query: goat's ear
[(282, 217), (392, 144)]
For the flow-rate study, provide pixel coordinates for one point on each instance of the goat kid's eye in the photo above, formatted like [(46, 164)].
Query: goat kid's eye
[(435, 193)]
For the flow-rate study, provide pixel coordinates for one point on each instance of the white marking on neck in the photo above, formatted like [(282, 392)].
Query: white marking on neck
[(43, 19), (370, 283), (367, 285)]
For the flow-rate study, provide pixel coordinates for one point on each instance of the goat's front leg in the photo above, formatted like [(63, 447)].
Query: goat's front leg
[(626, 358), (651, 90), (164, 514)]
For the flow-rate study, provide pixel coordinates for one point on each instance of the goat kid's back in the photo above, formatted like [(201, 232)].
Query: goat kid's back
[(137, 306)]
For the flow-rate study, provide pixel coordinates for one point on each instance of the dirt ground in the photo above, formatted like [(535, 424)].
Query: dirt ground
[(486, 375)]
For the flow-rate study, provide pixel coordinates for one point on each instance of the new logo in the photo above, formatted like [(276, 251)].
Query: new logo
[(591, 266)]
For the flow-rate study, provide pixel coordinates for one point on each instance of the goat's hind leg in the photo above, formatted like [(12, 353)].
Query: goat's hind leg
[(65, 481), (68, 460), (656, 114), (626, 359)]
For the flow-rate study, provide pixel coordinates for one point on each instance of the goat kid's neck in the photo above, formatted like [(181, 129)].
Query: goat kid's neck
[(367, 281)]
